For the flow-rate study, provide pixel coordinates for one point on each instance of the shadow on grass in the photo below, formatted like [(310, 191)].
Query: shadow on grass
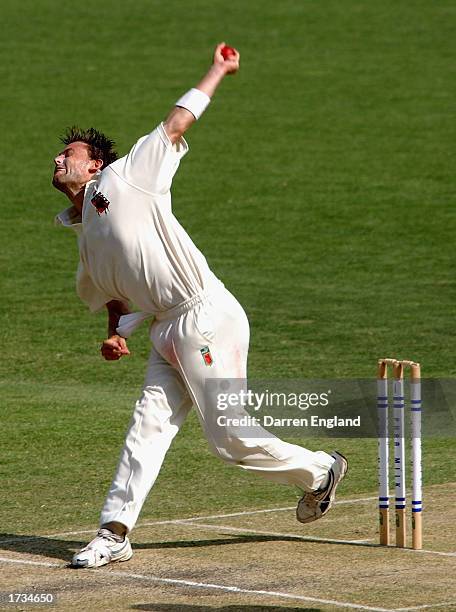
[(64, 549), (39, 545), (233, 608)]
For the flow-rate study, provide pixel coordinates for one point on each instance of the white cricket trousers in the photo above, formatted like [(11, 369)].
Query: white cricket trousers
[(175, 381)]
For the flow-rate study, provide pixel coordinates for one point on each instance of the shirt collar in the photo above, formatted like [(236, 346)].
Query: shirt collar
[(70, 217)]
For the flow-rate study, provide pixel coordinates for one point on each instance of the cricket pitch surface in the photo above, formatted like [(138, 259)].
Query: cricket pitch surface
[(252, 561)]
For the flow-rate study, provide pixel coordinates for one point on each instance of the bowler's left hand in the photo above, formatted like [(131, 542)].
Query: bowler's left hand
[(114, 348)]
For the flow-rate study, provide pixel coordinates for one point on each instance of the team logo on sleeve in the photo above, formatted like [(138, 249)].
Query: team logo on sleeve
[(207, 357), (100, 202)]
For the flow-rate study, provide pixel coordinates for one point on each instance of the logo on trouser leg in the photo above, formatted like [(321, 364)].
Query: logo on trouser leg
[(206, 353)]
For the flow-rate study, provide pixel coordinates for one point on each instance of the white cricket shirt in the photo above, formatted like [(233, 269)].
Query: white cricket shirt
[(131, 246)]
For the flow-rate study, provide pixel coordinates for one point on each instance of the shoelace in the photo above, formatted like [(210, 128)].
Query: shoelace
[(109, 535)]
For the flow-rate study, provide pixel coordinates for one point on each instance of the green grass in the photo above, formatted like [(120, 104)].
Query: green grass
[(319, 185)]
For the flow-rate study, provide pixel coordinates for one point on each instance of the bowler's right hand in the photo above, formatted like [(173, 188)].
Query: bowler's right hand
[(114, 348), (229, 65)]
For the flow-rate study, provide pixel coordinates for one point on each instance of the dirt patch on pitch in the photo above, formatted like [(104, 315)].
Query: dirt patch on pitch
[(197, 566)]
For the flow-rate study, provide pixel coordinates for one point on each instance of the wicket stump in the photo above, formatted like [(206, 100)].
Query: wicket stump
[(399, 451)]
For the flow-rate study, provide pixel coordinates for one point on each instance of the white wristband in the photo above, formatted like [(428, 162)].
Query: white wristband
[(194, 101)]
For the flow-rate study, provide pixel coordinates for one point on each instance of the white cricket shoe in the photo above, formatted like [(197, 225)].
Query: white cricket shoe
[(316, 504), (107, 547)]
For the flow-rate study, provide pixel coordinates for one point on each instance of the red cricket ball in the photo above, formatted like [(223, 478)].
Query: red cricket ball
[(227, 52)]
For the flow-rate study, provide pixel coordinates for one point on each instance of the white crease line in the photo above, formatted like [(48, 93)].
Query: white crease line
[(218, 587), (438, 605), (431, 552), (356, 500), (235, 589), (231, 514), (264, 511), (193, 518), (295, 536), (25, 562), (316, 539)]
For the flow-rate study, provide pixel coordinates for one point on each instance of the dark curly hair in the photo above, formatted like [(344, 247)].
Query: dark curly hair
[(100, 146)]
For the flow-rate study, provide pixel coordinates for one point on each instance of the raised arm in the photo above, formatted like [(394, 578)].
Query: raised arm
[(153, 160), (192, 104)]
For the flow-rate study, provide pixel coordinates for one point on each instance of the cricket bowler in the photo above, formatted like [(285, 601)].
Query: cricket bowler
[(134, 251)]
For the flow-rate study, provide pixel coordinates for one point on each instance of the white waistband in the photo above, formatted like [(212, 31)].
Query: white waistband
[(178, 310), (129, 323)]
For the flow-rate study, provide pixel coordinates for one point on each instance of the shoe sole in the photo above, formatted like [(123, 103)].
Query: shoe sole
[(342, 475)]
